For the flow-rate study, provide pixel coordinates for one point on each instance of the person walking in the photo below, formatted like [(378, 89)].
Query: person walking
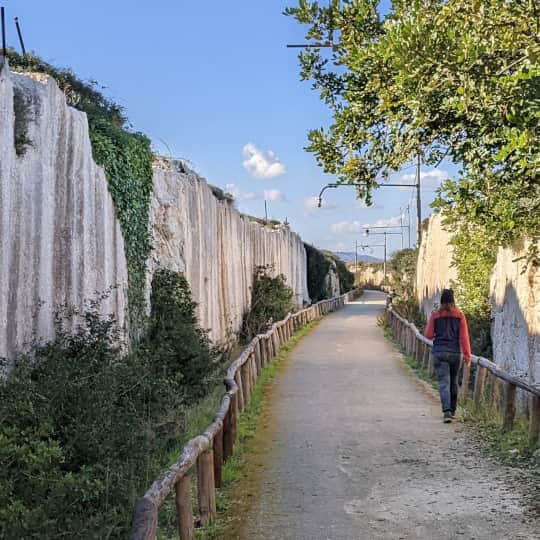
[(448, 329)]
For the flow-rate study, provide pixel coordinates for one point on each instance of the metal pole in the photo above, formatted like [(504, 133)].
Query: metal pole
[(356, 257), (401, 225), (418, 204), (3, 16), (385, 258), (409, 223), (265, 211), (20, 35)]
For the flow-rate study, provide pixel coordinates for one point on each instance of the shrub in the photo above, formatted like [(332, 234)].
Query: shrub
[(84, 429), (403, 279), (270, 302)]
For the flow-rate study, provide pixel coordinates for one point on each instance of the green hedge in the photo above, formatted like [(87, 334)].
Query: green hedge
[(86, 429), (319, 264)]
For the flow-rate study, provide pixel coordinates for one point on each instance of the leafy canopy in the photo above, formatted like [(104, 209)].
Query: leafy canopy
[(456, 78)]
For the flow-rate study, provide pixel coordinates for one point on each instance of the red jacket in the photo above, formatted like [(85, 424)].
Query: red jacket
[(449, 332)]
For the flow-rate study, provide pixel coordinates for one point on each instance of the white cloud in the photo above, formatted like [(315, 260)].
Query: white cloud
[(238, 194), (273, 195), (429, 178), (261, 163), (311, 205), (358, 227)]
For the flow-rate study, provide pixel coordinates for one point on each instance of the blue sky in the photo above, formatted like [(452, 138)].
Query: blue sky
[(213, 83)]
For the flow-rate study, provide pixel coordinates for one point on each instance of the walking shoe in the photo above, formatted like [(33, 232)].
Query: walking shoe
[(447, 417), (453, 413)]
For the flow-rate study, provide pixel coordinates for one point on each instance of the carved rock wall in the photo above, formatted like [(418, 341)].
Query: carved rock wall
[(60, 241)]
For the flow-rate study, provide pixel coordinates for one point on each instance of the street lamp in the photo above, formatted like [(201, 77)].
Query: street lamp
[(385, 233), (334, 185)]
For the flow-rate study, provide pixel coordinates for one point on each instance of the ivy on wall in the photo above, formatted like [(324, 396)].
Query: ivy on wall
[(127, 160), (319, 264)]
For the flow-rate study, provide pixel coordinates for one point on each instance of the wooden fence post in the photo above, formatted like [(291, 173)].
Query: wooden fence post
[(184, 508), (534, 421), (206, 487), (240, 401), (431, 367), (228, 430), (509, 406), (464, 392), (495, 394), (217, 446), (258, 361), (245, 382), (479, 384)]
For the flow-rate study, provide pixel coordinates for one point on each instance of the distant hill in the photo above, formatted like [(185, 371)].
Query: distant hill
[(348, 257)]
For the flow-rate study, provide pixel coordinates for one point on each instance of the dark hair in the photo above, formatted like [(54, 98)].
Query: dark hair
[(447, 300)]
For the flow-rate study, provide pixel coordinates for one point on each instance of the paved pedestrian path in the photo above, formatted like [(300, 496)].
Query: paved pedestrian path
[(357, 450)]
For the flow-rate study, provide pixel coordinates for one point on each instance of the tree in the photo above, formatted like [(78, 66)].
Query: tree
[(456, 78)]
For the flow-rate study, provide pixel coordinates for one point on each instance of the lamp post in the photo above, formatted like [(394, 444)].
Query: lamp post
[(385, 233), (334, 185)]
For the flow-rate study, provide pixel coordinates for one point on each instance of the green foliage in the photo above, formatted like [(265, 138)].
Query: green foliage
[(346, 278), (220, 194), (86, 96), (270, 303), (474, 257), (403, 278), (456, 78), (320, 264), (21, 109), (84, 430), (127, 160), (318, 268)]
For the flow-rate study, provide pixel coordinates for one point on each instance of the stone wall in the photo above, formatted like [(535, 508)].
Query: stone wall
[(369, 274), (218, 248), (515, 294), (434, 270), (60, 241)]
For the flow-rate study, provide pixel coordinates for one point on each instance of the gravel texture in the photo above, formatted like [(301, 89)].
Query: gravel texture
[(356, 449)]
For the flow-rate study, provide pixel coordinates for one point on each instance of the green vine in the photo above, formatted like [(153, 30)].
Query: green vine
[(474, 256), (319, 264), (127, 160)]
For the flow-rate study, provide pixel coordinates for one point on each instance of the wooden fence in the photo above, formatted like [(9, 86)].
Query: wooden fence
[(490, 384), (215, 446)]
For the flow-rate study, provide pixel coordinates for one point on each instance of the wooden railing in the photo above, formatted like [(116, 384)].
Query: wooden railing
[(487, 375), (215, 446)]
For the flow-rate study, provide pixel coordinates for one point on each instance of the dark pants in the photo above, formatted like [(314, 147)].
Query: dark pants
[(447, 367)]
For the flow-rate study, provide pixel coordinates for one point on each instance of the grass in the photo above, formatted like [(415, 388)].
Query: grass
[(417, 368), (249, 425), (198, 419)]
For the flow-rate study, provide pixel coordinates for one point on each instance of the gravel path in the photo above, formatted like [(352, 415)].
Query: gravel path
[(356, 449)]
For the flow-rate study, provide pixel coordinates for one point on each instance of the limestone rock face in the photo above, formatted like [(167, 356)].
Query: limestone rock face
[(217, 248), (434, 270), (60, 241), (515, 296), (370, 274)]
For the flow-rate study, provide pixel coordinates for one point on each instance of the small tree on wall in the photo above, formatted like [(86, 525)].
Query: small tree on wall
[(271, 300)]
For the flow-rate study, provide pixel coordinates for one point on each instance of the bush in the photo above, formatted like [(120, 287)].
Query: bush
[(346, 278), (270, 302), (84, 429), (403, 281)]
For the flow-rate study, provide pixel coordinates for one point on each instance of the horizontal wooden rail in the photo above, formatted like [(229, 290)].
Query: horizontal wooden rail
[(488, 377), (215, 446)]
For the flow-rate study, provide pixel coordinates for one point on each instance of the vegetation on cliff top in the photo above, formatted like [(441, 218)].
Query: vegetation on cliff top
[(127, 159)]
